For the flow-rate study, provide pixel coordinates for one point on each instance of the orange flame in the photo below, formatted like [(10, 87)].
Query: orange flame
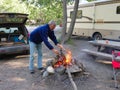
[(64, 59), (68, 57)]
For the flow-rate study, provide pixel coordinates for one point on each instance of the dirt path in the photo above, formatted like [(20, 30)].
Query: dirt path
[(14, 73)]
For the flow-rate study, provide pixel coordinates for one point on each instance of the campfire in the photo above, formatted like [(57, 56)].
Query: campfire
[(63, 60), (60, 63), (64, 63)]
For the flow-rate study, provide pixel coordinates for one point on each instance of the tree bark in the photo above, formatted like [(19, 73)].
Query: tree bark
[(64, 20), (73, 19)]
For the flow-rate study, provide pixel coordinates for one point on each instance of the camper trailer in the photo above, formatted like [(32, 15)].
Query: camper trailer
[(97, 19)]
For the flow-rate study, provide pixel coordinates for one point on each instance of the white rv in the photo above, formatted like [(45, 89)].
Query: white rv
[(97, 19)]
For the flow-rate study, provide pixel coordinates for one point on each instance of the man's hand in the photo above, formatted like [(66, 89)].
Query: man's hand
[(55, 51), (60, 46)]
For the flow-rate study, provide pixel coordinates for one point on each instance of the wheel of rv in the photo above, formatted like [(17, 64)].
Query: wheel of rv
[(97, 36)]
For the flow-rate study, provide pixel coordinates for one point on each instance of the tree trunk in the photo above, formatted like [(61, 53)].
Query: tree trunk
[(73, 19), (64, 20)]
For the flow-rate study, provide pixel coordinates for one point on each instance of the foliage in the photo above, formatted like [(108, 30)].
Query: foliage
[(45, 10), (40, 11), (52, 11), (91, 0), (12, 6)]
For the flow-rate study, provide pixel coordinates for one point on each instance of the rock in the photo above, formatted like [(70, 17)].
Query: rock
[(45, 74)]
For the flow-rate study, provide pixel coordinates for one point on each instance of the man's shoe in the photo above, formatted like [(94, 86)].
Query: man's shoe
[(32, 71), (42, 68)]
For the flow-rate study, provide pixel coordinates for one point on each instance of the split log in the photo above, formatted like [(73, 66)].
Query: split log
[(71, 79)]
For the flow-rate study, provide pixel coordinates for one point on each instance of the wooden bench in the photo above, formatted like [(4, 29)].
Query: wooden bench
[(96, 53)]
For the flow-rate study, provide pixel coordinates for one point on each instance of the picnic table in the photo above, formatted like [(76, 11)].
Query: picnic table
[(104, 48), (114, 45)]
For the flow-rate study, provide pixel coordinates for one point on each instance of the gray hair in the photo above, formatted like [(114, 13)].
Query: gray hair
[(52, 22)]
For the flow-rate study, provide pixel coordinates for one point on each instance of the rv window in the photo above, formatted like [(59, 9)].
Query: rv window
[(79, 14), (118, 9)]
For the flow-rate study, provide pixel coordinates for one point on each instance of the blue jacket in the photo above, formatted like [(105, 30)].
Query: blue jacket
[(41, 34)]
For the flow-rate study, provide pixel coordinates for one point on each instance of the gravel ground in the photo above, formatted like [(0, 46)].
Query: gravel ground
[(14, 73)]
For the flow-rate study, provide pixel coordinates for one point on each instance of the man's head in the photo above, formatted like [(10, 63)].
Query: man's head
[(52, 24)]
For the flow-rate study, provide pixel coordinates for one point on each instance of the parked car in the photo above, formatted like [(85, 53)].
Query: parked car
[(13, 34)]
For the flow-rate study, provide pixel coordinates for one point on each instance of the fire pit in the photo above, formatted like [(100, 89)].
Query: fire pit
[(64, 63), (60, 63)]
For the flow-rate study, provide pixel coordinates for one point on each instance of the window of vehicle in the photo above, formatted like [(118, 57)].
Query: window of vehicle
[(118, 10), (79, 14)]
